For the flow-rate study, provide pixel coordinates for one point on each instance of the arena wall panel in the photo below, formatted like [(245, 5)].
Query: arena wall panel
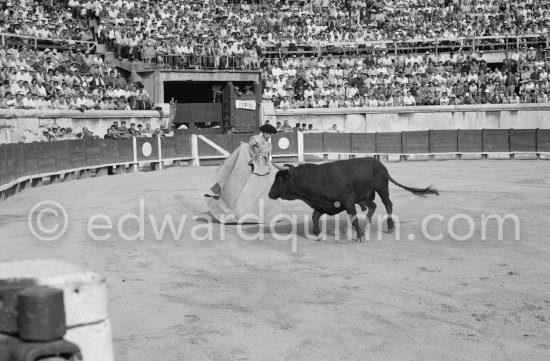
[(496, 140), (147, 149), (354, 123), (492, 119), (525, 119), (389, 143), (543, 140), (236, 140), (31, 159), (92, 152), (363, 143), (20, 167), (393, 121), (284, 143), (14, 166), (28, 159), (523, 140), (3, 165), (10, 175), (470, 141), (47, 157), (472, 120), (443, 141), (420, 121), (416, 142), (168, 148), (223, 141), (125, 150), (108, 151), (183, 145), (313, 142), (10, 163), (77, 153), (442, 120), (337, 142), (63, 160)]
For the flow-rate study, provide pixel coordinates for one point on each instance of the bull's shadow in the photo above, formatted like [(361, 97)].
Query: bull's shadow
[(208, 217), (332, 229), (336, 228)]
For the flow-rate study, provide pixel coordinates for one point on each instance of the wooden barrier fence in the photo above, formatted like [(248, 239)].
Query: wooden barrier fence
[(27, 164)]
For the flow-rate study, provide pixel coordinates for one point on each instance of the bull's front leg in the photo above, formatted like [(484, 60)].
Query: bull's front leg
[(350, 208), (316, 227)]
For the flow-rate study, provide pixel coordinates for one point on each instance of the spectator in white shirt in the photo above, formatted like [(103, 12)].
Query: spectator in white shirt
[(409, 100)]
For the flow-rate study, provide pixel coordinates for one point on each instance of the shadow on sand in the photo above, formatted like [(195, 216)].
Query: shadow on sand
[(336, 229)]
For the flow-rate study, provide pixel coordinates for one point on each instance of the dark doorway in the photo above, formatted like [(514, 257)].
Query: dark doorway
[(199, 103), (191, 91)]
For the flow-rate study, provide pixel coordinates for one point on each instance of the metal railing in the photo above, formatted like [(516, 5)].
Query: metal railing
[(36, 43), (203, 62), (489, 44)]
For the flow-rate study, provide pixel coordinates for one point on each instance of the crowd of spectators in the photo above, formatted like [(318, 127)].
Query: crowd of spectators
[(122, 131), (285, 127), (211, 33), (203, 34), (408, 80), (272, 22), (63, 80), (37, 20), (115, 131), (219, 34)]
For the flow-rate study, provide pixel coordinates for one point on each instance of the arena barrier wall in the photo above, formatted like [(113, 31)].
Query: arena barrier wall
[(28, 164), (415, 118)]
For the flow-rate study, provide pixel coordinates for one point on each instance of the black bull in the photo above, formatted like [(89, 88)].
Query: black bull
[(334, 187)]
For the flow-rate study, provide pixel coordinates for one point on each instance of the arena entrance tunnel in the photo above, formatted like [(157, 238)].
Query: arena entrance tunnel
[(200, 103)]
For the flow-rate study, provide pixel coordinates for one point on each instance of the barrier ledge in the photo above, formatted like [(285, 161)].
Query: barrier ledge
[(141, 163), (212, 157), (59, 172), (224, 157), (16, 182), (165, 159), (285, 155), (425, 154), (90, 167), (412, 109)]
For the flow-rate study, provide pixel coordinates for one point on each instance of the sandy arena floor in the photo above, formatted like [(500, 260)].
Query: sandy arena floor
[(385, 299)]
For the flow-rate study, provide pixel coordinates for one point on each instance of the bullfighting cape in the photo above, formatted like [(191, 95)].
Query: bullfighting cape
[(241, 195)]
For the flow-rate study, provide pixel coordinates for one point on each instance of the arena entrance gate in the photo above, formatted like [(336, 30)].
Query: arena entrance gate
[(215, 107)]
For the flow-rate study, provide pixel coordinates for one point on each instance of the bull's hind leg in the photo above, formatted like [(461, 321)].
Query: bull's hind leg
[(350, 208), (371, 205), (385, 196), (315, 218)]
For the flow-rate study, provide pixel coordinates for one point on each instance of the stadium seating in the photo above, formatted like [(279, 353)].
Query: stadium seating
[(312, 54)]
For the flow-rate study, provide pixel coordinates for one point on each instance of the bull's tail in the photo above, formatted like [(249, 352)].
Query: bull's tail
[(421, 192)]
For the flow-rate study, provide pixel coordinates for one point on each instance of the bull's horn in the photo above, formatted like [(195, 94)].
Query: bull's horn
[(279, 167), (289, 166)]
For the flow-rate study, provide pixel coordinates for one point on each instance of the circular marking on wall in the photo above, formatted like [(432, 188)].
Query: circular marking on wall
[(283, 143), (146, 149)]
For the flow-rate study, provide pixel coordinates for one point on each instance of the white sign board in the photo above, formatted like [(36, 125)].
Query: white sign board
[(245, 104)]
